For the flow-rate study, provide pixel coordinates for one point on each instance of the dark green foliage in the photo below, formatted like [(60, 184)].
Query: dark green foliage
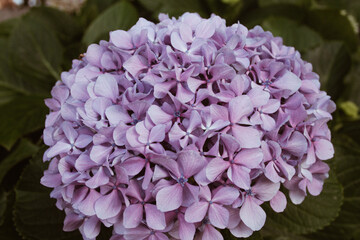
[(37, 47)]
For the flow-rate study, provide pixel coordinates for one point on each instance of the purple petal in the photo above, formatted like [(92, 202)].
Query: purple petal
[(222, 71), (100, 178), (117, 113), (258, 97), (91, 227), (121, 39), (218, 215), (278, 202), (108, 206), (215, 168), (157, 133), (84, 163), (210, 233), (252, 214), (288, 81), (241, 231), (72, 222), (86, 206), (177, 42), (296, 144), (133, 165), (265, 189), (196, 212), (169, 198), (186, 230), (69, 132), (99, 153), (190, 162), (59, 147), (158, 116), (133, 215), (205, 29), (248, 137), (135, 64), (154, 218), (226, 195), (251, 158), (324, 149), (218, 112), (83, 140), (106, 86), (239, 107), (239, 176)]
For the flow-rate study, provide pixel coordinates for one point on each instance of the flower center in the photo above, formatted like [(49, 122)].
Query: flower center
[(182, 180)]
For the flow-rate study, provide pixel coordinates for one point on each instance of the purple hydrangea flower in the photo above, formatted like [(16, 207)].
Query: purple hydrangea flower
[(177, 129)]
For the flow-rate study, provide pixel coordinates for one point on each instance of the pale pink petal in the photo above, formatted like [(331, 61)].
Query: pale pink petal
[(288, 81), (205, 29), (278, 202), (324, 149), (177, 42), (251, 158), (186, 229), (240, 176), (248, 137), (154, 218), (190, 162), (218, 112), (226, 195), (241, 231), (91, 227), (252, 214), (106, 86), (108, 206), (218, 215), (215, 168), (59, 147), (158, 116), (239, 107), (157, 133), (135, 64), (265, 189), (196, 212), (100, 178), (169, 198), (133, 215), (210, 233), (121, 39)]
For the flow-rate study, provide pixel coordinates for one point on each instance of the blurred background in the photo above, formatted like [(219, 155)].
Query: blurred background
[(39, 39)]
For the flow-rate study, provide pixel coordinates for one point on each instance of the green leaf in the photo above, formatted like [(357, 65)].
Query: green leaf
[(347, 160), (7, 229), (19, 117), (332, 62), (313, 214), (36, 51), (352, 83), (23, 150), (7, 26), (63, 24), (91, 9), (333, 26), (258, 15), (122, 15), (293, 33), (266, 3), (175, 8), (3, 205), (35, 214)]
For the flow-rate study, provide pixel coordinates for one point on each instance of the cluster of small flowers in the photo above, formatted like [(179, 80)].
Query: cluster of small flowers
[(177, 129)]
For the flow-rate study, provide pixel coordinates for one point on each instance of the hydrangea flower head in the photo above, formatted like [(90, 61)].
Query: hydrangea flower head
[(179, 129)]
